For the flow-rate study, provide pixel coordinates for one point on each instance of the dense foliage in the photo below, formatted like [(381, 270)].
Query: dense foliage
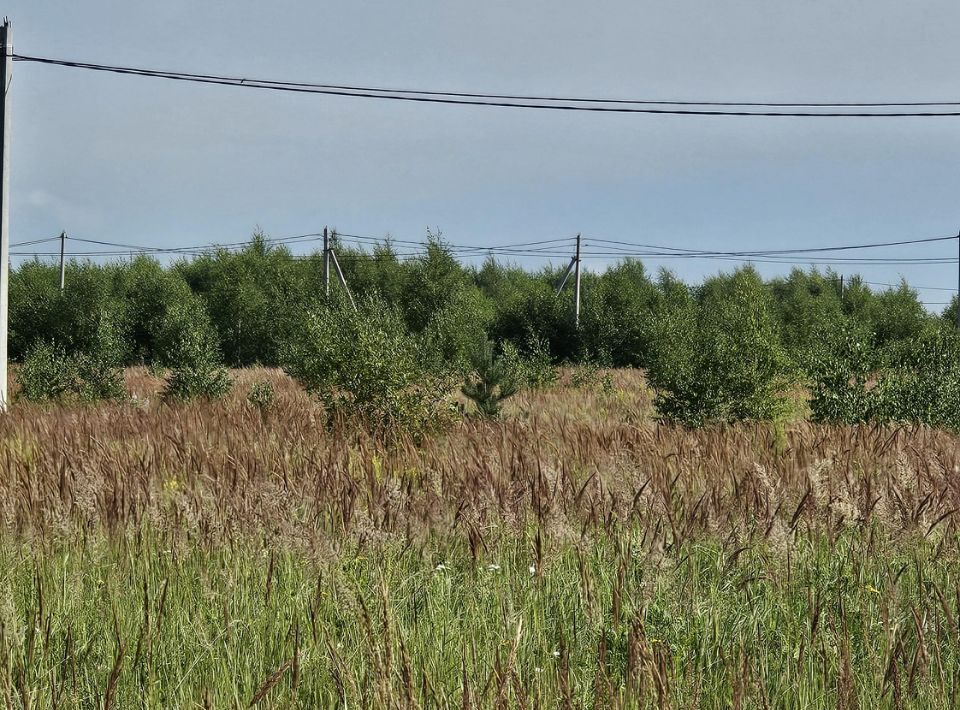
[(719, 357), (365, 361), (735, 347), (189, 348)]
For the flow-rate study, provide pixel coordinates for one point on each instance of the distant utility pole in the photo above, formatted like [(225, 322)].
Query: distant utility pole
[(573, 267), (326, 263), (576, 288), (328, 254), (958, 282), (63, 263), (6, 73)]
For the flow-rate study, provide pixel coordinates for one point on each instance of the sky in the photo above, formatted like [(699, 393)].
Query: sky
[(157, 163)]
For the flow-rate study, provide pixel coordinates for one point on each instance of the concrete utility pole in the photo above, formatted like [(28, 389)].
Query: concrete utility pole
[(326, 263), (576, 288), (573, 267), (63, 263), (6, 72), (958, 283)]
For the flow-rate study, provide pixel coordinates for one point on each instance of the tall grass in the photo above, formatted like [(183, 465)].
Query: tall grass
[(575, 554)]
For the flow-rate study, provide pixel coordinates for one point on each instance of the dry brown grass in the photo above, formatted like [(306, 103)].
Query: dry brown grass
[(570, 459)]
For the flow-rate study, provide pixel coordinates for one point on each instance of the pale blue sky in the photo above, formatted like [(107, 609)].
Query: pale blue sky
[(152, 162)]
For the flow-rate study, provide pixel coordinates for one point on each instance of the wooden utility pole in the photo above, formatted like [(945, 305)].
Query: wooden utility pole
[(6, 73), (576, 288), (958, 282), (326, 263), (63, 263)]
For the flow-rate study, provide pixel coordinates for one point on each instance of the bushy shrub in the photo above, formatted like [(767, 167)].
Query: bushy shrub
[(720, 360), (366, 363), (50, 373), (806, 303), (148, 291), (99, 379), (923, 382), (840, 373), (197, 381), (528, 309), (72, 318), (432, 283), (47, 373), (918, 381), (896, 315), (261, 395), (585, 375), (189, 348), (454, 328), (616, 307), (252, 296), (34, 312), (532, 366)]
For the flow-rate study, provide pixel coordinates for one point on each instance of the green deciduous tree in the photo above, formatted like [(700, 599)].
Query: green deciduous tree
[(720, 359), (188, 346), (366, 363)]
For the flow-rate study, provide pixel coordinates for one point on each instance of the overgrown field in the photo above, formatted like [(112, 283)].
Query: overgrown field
[(574, 553)]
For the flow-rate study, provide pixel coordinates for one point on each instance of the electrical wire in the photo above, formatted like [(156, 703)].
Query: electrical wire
[(517, 97), (545, 248), (674, 108), (777, 252), (35, 241), (770, 260), (918, 288)]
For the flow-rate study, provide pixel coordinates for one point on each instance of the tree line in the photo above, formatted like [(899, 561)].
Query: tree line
[(733, 347)]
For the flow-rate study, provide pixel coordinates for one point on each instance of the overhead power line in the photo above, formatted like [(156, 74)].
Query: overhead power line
[(508, 97), (778, 252), (560, 247), (765, 260), (552, 103), (913, 286), (34, 241)]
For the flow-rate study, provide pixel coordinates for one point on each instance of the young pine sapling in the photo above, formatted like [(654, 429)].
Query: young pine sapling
[(491, 382)]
